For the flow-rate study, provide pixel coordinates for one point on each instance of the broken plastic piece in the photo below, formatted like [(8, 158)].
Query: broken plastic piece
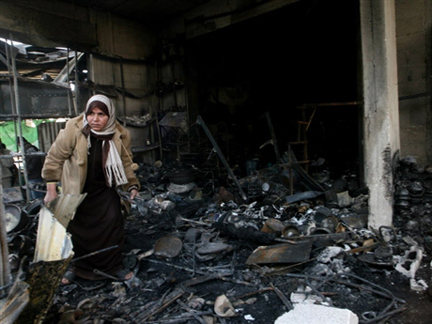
[(223, 307)]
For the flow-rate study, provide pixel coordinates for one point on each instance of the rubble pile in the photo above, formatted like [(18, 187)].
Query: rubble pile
[(413, 201), (202, 253)]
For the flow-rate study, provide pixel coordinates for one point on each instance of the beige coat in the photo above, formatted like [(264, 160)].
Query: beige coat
[(67, 157)]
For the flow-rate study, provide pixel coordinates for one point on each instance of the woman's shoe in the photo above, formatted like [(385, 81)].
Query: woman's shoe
[(124, 275), (68, 278)]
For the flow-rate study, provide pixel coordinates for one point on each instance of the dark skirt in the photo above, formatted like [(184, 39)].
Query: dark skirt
[(98, 224)]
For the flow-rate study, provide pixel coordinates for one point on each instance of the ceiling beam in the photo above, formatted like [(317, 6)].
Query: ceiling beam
[(219, 14), (32, 26)]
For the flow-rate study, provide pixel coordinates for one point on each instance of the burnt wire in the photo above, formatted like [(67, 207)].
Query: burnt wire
[(381, 292)]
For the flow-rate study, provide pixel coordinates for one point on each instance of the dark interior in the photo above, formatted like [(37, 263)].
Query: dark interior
[(305, 53)]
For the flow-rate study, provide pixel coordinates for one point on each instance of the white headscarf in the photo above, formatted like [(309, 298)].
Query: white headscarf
[(114, 169), (111, 124)]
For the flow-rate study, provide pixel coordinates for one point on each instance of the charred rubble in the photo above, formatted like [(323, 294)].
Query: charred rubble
[(202, 253)]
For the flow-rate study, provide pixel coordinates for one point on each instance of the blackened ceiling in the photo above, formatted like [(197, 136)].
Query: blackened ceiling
[(153, 12)]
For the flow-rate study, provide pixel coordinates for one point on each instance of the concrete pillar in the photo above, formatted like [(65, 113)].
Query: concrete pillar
[(381, 108)]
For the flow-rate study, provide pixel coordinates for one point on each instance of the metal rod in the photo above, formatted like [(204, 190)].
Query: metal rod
[(386, 293), (8, 51), (273, 136), (379, 317), (282, 297), (372, 284), (67, 80), (94, 253), (348, 284), (201, 122), (177, 267), (316, 291), (393, 299), (96, 271), (76, 82)]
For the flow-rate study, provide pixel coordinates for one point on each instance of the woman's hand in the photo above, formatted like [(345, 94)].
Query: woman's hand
[(134, 193), (51, 193)]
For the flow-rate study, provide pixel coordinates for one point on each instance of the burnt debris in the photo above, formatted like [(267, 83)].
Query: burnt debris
[(222, 251)]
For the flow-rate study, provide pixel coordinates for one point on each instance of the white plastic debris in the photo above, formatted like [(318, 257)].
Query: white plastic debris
[(329, 253), (419, 285), (408, 258), (304, 297), (223, 307), (317, 314)]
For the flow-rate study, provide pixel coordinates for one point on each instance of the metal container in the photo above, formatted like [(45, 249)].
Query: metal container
[(290, 231), (330, 223), (15, 218), (273, 225)]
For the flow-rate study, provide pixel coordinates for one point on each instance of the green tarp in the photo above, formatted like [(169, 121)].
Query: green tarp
[(10, 129)]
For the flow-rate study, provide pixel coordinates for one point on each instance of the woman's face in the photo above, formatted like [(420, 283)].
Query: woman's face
[(97, 119)]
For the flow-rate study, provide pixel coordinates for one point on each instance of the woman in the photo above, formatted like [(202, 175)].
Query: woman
[(92, 155)]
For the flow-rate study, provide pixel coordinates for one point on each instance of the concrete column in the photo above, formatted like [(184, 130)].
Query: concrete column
[(381, 108)]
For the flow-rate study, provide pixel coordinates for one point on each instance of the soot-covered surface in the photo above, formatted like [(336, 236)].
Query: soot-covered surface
[(190, 247)]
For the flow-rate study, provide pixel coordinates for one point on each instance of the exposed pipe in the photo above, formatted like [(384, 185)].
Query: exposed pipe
[(15, 77), (76, 83), (67, 80), (9, 55)]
